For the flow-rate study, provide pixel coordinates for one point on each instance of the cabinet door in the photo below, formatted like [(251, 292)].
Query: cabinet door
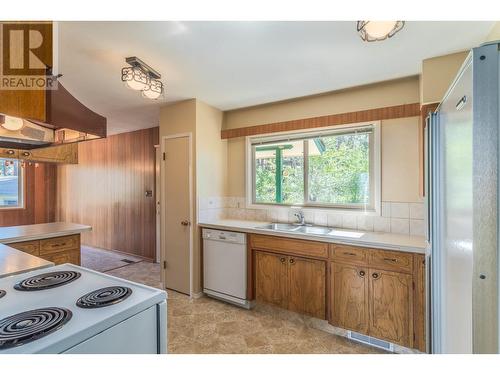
[(307, 278), (349, 296), (391, 306), (271, 278), (27, 104)]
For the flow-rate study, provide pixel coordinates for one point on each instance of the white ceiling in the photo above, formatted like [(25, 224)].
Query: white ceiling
[(237, 64)]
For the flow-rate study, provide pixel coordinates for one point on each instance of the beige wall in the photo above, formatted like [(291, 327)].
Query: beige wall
[(383, 94), (437, 75), (494, 33), (400, 137), (400, 160), (209, 157)]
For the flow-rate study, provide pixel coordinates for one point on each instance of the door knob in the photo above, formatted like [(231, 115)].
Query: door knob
[(375, 275), (361, 273), (292, 261), (185, 223), (282, 260)]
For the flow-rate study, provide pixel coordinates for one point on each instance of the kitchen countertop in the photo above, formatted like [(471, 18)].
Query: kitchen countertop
[(13, 261), (379, 240), (40, 231)]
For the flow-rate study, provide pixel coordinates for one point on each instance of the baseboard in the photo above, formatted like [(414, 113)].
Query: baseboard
[(197, 295)]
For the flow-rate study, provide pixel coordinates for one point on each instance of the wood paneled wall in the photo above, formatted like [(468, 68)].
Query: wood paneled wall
[(39, 197), (107, 191)]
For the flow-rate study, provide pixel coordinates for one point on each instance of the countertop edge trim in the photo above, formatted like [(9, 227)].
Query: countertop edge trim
[(389, 247)]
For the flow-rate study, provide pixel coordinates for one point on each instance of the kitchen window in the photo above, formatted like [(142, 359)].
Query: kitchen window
[(11, 184), (334, 168)]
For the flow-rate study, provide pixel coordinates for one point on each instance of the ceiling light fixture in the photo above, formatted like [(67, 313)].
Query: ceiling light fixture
[(374, 31), (141, 77), (11, 123)]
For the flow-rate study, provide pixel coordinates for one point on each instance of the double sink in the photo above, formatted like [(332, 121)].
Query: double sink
[(303, 229)]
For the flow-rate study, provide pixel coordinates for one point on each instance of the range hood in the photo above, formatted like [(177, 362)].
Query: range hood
[(66, 121)]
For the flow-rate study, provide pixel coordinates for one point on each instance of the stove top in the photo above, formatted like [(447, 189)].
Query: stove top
[(74, 283), (2, 293), (104, 297), (28, 326), (47, 280)]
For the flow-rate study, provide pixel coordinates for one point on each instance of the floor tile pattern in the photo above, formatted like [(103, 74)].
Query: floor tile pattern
[(205, 325)]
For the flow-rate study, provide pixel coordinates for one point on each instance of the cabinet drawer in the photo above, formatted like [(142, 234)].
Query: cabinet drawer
[(349, 254), (289, 246), (70, 256), (30, 247), (58, 244), (391, 260)]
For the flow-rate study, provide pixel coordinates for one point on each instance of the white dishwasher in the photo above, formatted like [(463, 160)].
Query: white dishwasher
[(225, 266)]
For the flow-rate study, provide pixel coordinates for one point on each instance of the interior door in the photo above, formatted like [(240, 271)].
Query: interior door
[(271, 278), (177, 215), (391, 306), (307, 278), (349, 296)]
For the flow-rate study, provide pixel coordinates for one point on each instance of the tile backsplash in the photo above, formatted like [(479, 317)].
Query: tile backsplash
[(397, 217)]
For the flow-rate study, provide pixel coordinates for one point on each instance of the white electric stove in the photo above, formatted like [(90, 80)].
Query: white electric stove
[(71, 309)]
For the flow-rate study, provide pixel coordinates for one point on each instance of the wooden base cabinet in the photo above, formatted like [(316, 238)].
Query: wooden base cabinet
[(382, 303), (391, 306), (307, 283), (380, 293), (59, 250), (271, 278), (293, 283), (349, 297)]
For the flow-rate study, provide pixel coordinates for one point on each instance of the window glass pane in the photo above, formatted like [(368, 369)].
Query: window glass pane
[(339, 168), (279, 173), (9, 183)]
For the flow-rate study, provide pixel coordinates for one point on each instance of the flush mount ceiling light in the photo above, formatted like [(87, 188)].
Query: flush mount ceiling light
[(141, 77), (11, 123), (374, 31)]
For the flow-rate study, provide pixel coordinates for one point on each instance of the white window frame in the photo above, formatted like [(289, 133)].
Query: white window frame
[(20, 190), (376, 179)]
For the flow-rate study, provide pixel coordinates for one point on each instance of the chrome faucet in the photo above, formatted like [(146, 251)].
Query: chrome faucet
[(300, 217)]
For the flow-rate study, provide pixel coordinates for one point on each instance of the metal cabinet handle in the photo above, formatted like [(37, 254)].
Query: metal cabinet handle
[(10, 152), (375, 275), (292, 261), (282, 260), (362, 273), (351, 254), (390, 259), (26, 153)]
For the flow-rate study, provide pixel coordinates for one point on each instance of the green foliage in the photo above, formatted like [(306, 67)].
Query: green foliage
[(338, 175)]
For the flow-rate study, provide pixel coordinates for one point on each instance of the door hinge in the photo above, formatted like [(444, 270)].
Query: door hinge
[(164, 264), (414, 337), (413, 285), (164, 156)]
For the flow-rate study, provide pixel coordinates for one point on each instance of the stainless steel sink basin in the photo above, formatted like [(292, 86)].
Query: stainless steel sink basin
[(281, 227), (314, 230), (311, 229), (305, 229)]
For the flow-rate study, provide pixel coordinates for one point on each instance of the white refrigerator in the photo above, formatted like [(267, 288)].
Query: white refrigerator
[(463, 190)]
